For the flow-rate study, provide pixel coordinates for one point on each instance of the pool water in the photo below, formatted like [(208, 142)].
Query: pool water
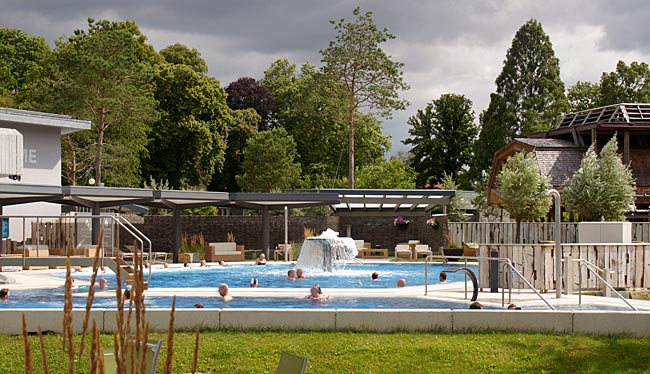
[(47, 299), (275, 276)]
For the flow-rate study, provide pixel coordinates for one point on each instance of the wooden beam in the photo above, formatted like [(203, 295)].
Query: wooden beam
[(626, 147)]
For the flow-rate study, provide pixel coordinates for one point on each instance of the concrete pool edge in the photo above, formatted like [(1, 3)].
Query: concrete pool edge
[(627, 323)]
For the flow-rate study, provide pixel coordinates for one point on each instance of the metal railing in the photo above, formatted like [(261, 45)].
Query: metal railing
[(595, 270), (70, 235), (505, 262)]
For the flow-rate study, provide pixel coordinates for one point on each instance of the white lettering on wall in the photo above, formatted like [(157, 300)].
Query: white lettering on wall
[(29, 156)]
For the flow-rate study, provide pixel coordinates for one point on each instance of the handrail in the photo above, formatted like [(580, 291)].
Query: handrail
[(444, 257), (139, 237), (595, 270), (521, 276)]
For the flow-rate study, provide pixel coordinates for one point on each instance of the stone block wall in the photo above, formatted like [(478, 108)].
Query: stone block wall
[(377, 230)]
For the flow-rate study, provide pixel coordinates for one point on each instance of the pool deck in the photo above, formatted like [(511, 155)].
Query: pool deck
[(564, 320)]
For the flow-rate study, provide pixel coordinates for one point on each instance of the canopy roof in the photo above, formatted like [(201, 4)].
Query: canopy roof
[(356, 202)]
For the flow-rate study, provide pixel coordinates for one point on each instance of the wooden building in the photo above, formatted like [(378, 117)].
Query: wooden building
[(560, 151)]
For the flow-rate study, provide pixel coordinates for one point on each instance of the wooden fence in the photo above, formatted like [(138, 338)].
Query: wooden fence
[(628, 264), (530, 232)]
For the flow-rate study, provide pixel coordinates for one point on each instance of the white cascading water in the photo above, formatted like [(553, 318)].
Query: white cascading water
[(322, 251)]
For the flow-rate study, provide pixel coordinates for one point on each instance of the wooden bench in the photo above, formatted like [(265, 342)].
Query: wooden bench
[(373, 253)]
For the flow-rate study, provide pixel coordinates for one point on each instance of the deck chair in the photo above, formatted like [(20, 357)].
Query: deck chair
[(153, 349), (403, 248), (291, 364), (422, 249)]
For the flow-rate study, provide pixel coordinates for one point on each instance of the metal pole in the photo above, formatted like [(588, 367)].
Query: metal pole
[(558, 249), (286, 233)]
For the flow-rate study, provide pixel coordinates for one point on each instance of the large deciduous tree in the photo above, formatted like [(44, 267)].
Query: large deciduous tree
[(189, 140), (370, 78), (442, 136), (603, 187), (583, 96), (523, 188), (309, 107), (628, 84), (247, 93), (269, 162), (22, 61), (104, 75), (529, 92), (386, 174), (179, 54)]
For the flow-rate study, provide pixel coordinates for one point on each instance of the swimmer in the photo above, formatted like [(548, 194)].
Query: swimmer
[(225, 292), (254, 282), (165, 265), (199, 305), (4, 294), (103, 268), (300, 274), (375, 276), (513, 307), (261, 260), (401, 282), (222, 263), (127, 294), (78, 269), (291, 274), (476, 305), (186, 264), (443, 277), (203, 263), (103, 283), (316, 293)]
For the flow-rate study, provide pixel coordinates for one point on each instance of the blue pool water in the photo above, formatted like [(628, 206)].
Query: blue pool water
[(48, 299), (275, 276)]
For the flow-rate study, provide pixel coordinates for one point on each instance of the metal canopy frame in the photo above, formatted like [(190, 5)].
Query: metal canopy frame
[(377, 202)]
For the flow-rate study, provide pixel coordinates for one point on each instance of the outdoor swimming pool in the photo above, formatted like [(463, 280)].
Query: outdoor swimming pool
[(275, 276)]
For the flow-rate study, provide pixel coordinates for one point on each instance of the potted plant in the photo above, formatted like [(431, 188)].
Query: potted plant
[(401, 222), (192, 248), (433, 222)]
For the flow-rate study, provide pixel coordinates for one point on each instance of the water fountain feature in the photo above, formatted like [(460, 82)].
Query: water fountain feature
[(326, 249)]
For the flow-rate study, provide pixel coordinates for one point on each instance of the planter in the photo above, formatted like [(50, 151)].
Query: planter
[(402, 226), (605, 232)]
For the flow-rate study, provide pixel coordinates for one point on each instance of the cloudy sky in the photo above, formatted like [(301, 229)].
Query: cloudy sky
[(447, 46)]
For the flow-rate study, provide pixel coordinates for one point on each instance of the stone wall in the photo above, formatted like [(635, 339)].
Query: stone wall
[(377, 230)]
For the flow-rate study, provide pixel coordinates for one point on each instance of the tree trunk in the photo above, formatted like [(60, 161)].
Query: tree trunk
[(518, 234), (100, 143), (351, 163)]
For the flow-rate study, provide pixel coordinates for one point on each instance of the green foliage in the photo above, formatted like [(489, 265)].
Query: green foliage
[(603, 187), (370, 78), (457, 205), (179, 54), (583, 96), (442, 136), (523, 188), (103, 75), (269, 162), (529, 97), (386, 174), (189, 140), (247, 93), (22, 62), (309, 108), (628, 84), (489, 213)]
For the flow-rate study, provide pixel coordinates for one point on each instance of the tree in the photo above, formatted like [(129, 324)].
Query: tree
[(530, 94), (179, 54), (22, 61), (523, 188), (603, 187), (309, 108), (189, 141), (583, 96), (370, 78), (386, 174), (269, 162), (104, 75), (442, 136), (247, 93), (628, 84), (457, 205)]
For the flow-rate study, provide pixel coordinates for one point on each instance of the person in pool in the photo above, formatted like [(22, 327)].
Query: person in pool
[(375, 276), (401, 282), (254, 282), (103, 283), (316, 293), (225, 292), (4, 294), (261, 260), (300, 274), (443, 277), (291, 274)]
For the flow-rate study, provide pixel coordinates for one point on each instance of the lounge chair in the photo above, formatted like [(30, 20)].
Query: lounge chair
[(403, 248), (281, 250), (422, 249), (153, 349), (291, 364)]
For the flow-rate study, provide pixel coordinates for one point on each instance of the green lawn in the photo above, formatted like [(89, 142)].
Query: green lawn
[(349, 352)]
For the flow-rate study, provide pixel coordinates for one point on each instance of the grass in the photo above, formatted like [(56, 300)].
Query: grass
[(350, 352)]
